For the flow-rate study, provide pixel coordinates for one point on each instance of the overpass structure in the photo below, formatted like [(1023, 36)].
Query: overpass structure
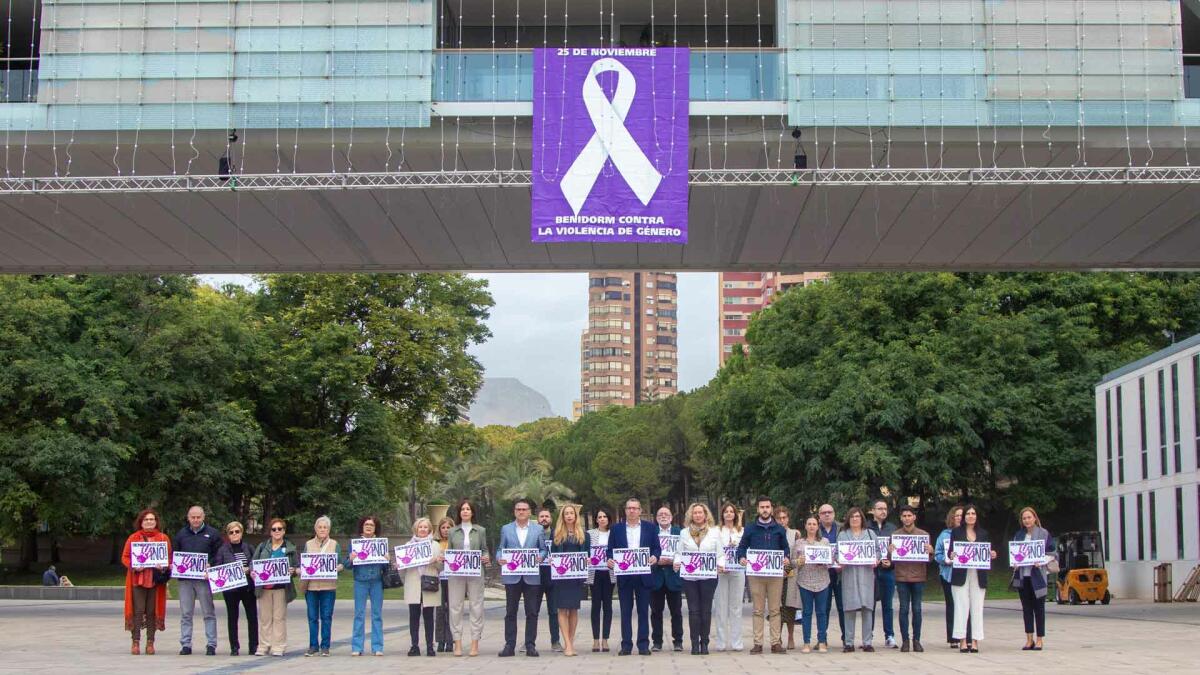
[(396, 135)]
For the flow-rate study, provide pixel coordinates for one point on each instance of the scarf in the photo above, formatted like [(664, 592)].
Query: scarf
[(697, 535)]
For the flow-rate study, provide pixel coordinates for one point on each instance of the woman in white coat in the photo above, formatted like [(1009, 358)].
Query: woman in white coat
[(731, 584), (700, 535), (422, 591)]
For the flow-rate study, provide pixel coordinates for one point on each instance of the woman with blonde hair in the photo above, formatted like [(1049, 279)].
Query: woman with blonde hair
[(422, 592), (235, 549), (1031, 582), (441, 614), (731, 584), (700, 535), (569, 537)]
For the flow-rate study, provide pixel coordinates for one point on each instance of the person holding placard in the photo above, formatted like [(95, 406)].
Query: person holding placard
[(910, 575), (368, 587), (467, 536), (319, 594), (700, 536), (146, 584), (941, 555), (668, 587), (516, 540), (569, 537), (970, 583), (441, 615), (1029, 578), (601, 581), (766, 592), (885, 577), (236, 550), (829, 530), (731, 583), (422, 592), (634, 590), (812, 578), (197, 537), (273, 599), (545, 518), (858, 581), (791, 591)]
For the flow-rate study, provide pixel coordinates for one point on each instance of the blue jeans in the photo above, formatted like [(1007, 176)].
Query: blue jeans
[(320, 614), (815, 602), (911, 592), (885, 588), (363, 591)]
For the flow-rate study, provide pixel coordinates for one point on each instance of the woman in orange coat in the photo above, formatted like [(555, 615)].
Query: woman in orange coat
[(145, 598)]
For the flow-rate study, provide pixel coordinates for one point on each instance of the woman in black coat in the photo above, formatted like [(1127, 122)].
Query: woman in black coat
[(969, 585), (236, 550)]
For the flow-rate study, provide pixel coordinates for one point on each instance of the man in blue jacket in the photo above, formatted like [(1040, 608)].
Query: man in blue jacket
[(633, 590), (521, 533), (764, 533), (197, 537), (827, 528), (668, 589)]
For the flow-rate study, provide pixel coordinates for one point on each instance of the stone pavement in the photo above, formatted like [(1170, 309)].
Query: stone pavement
[(82, 636)]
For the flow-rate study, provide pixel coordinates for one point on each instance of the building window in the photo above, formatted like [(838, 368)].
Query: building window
[(1106, 537), (1137, 528), (1179, 523), (1153, 528), (1121, 525), (1120, 438), (1162, 424), (1108, 433), (1142, 426), (1175, 417)]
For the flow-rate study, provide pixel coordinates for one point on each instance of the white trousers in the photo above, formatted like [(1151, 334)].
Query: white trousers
[(968, 602), (727, 610)]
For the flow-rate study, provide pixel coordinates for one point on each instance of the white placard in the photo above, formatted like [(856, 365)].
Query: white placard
[(910, 547), (517, 562), (856, 552), (818, 554), (764, 563), (697, 565), (564, 566), (413, 554), (148, 554), (318, 566), (189, 565), (631, 561), (732, 564), (369, 551), (227, 577), (881, 547), (464, 563), (598, 560), (271, 571), (1027, 553), (972, 555), (669, 543)]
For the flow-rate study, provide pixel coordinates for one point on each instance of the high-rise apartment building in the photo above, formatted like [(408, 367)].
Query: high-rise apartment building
[(630, 349), (741, 294)]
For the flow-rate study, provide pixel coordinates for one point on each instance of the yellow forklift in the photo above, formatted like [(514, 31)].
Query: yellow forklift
[(1081, 574)]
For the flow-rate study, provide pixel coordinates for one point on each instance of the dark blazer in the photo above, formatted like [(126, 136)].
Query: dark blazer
[(958, 576), (665, 575), (649, 539)]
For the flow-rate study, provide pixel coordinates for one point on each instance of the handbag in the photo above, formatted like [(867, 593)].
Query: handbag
[(392, 578), (162, 576), (430, 582)]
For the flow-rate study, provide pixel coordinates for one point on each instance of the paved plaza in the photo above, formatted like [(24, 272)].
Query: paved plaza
[(57, 637)]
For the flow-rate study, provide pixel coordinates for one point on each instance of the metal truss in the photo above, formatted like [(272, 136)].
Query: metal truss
[(519, 179)]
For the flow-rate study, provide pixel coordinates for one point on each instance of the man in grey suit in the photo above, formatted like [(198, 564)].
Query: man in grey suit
[(521, 533)]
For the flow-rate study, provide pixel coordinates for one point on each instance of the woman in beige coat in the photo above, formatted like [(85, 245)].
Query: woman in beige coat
[(421, 602)]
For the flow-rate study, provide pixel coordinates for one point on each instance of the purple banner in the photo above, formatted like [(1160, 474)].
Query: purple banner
[(610, 145)]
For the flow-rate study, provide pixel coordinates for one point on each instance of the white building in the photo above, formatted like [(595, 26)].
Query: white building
[(1146, 467)]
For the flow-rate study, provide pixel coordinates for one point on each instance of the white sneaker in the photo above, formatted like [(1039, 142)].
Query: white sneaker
[(891, 643)]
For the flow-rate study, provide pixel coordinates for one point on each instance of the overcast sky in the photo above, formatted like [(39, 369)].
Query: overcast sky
[(536, 323)]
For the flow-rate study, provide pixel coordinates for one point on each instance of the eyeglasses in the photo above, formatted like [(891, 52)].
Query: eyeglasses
[(277, 529), (235, 532)]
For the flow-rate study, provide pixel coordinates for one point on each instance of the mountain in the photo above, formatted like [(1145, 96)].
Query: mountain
[(505, 400)]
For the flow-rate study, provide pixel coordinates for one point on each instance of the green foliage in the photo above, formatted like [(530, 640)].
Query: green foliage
[(934, 385)]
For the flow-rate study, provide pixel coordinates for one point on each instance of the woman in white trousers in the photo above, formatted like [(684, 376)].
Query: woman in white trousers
[(731, 585), (968, 586)]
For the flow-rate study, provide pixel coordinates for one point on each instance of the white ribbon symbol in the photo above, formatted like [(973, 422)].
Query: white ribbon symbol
[(610, 141)]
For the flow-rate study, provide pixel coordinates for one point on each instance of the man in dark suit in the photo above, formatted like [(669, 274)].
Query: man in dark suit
[(522, 533), (634, 532), (668, 589)]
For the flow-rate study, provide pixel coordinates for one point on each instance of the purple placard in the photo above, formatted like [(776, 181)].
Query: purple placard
[(610, 145)]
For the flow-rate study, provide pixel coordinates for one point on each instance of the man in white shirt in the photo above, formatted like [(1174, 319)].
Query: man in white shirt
[(520, 534)]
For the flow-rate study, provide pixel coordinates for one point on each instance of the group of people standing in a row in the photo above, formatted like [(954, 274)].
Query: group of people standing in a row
[(451, 608)]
